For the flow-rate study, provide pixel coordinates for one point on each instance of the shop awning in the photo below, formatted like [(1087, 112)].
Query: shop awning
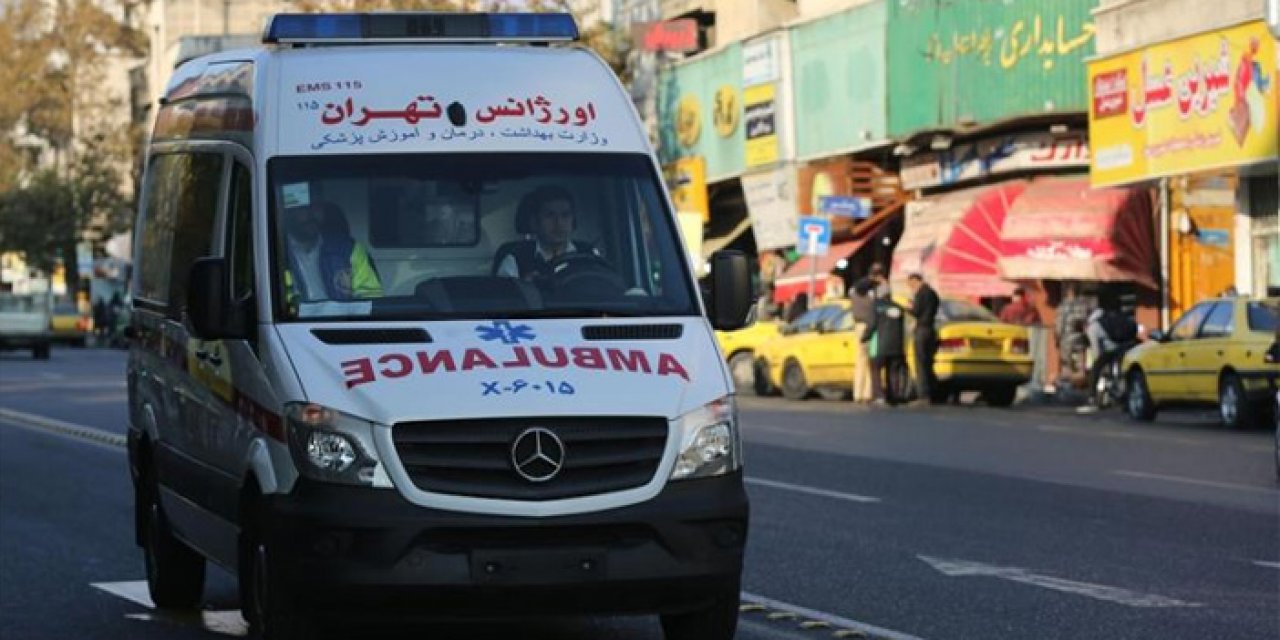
[(953, 240), (1061, 229), (796, 278)]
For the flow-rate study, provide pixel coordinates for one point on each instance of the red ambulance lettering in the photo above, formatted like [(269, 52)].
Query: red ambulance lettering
[(358, 371), (588, 358), (632, 361), (441, 360), (521, 359), (403, 365), (561, 361), (475, 358), (668, 365)]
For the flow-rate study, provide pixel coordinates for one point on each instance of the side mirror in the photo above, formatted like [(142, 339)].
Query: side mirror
[(730, 300), (1158, 336), (213, 315)]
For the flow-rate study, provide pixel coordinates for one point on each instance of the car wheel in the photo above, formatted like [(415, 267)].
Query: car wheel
[(1000, 396), (717, 621), (742, 368), (40, 351), (794, 386), (1138, 399), (175, 572), (760, 379), (1233, 404), (265, 597)]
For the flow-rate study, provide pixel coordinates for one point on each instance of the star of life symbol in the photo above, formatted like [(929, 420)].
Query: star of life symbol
[(537, 454), (504, 331)]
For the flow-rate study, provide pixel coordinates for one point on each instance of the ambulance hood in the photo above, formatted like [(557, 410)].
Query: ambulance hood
[(516, 368)]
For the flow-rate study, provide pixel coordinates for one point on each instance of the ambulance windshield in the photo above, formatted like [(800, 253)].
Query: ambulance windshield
[(428, 236)]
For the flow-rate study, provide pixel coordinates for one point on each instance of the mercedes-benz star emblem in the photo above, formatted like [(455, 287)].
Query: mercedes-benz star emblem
[(537, 454)]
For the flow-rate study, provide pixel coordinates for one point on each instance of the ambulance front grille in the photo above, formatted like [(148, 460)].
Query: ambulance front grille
[(474, 457)]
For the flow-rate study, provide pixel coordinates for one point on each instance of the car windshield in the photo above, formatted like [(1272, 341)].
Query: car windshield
[(21, 303), (1264, 316), (961, 311), (474, 236)]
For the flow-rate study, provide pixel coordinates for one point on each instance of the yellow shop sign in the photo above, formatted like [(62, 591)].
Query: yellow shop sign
[(1194, 104)]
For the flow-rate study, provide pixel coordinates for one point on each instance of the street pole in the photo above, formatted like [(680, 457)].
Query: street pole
[(813, 265), (1164, 254)]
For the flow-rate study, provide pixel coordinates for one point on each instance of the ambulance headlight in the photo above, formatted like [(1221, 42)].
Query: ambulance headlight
[(709, 441), (330, 446)]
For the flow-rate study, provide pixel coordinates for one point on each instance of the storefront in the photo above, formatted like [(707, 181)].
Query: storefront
[(948, 56), (839, 66), (1196, 117)]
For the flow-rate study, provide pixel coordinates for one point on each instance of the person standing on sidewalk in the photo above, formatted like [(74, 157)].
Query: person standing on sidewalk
[(863, 309), (884, 345), (1023, 312), (924, 306)]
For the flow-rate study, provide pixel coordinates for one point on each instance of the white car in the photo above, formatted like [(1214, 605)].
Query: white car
[(25, 323)]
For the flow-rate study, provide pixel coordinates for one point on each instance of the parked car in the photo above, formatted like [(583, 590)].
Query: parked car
[(796, 338), (739, 349), (24, 323), (69, 324), (976, 352), (1214, 353)]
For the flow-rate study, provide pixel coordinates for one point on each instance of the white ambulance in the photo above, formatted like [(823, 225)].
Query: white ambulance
[(414, 333)]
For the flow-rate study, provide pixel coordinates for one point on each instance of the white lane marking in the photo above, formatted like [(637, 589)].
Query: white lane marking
[(45, 423), (1265, 563), (965, 568), (831, 619), (134, 591), (227, 623), (813, 491), (1203, 483)]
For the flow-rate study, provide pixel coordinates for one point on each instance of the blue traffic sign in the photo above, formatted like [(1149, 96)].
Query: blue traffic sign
[(815, 235), (845, 206)]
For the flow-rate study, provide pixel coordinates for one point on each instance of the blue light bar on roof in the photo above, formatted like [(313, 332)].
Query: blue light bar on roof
[(319, 28)]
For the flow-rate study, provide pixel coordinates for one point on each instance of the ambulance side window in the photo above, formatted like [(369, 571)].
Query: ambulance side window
[(240, 232), (199, 179)]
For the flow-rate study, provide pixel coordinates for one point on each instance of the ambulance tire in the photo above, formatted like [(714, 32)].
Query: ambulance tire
[(265, 599), (718, 621), (175, 572)]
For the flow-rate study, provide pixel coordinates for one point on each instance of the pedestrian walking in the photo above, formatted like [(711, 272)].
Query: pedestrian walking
[(924, 306), (863, 309), (100, 324), (888, 357), (1073, 314)]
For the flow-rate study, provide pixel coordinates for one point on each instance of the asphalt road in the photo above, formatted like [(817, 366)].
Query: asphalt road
[(956, 522)]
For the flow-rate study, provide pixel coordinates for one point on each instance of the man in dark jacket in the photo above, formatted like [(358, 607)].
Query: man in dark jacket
[(924, 306), (888, 357)]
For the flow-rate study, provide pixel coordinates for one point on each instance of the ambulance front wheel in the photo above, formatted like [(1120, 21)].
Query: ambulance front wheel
[(718, 621), (266, 596)]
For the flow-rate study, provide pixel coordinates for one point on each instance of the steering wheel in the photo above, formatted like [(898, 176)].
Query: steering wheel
[(585, 272)]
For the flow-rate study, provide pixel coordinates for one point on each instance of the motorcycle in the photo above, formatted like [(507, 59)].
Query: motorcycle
[(1110, 389)]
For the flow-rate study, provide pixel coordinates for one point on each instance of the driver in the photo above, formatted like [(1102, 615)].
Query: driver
[(550, 214)]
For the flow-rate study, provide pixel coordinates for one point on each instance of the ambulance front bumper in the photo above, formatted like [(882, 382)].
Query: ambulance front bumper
[(371, 551)]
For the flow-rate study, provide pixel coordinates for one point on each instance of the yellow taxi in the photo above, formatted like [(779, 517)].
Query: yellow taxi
[(1214, 353), (739, 348), (976, 352), (69, 324)]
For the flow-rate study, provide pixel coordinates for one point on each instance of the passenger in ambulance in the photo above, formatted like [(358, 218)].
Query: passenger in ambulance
[(546, 218), (324, 261)]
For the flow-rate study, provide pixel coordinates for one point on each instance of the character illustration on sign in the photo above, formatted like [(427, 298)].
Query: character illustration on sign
[(1251, 86)]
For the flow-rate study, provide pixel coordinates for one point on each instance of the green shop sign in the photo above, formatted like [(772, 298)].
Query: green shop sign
[(985, 60)]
